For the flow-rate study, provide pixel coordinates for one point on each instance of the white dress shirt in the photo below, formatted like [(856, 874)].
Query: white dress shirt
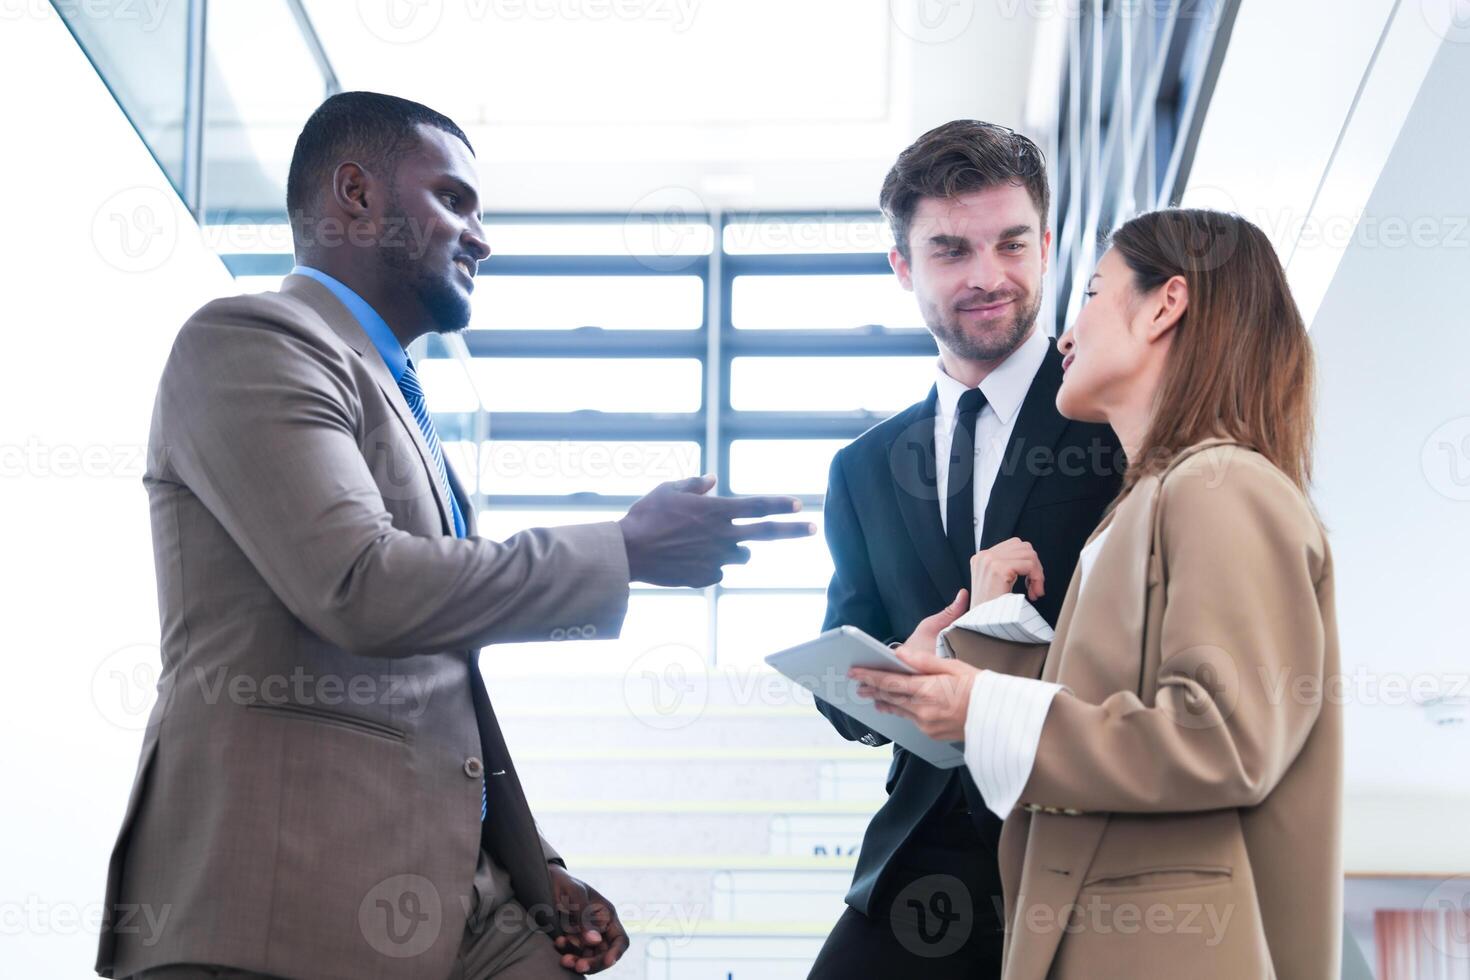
[(1004, 390), (1003, 728)]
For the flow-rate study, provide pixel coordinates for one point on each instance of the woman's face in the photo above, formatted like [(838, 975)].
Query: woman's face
[(1107, 352)]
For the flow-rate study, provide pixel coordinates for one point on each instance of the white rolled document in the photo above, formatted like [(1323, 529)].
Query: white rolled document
[(1007, 617)]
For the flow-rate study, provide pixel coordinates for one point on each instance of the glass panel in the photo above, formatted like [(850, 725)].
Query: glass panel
[(832, 384), (821, 302), (603, 385), (655, 235), (752, 626), (253, 114), (448, 387), (607, 467), (800, 563), (659, 629), (807, 235), (551, 384), (781, 465), (566, 302), (141, 52)]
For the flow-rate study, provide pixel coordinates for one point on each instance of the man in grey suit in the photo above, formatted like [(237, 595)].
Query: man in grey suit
[(323, 790)]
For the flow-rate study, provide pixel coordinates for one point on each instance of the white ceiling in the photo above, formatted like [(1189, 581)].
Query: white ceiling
[(610, 104)]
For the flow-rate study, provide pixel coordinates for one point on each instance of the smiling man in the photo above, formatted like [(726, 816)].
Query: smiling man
[(984, 458), (296, 813)]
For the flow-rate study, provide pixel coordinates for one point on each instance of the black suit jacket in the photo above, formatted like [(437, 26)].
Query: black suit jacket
[(894, 567)]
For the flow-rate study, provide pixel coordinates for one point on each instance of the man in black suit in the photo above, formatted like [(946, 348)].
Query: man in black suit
[(984, 458)]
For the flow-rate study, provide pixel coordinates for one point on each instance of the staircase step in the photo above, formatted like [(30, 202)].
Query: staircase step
[(726, 829), (657, 775)]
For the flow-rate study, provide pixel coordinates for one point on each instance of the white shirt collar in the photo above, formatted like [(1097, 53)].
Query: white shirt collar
[(1004, 388)]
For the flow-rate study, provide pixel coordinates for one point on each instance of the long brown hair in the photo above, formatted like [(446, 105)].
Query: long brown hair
[(1240, 364)]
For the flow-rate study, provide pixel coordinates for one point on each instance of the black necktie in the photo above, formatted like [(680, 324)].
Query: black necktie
[(959, 513)]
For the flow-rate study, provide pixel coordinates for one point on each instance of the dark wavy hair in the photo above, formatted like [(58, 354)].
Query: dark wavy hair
[(957, 158)]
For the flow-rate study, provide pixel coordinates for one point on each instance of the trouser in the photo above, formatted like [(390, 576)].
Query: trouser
[(498, 942), (936, 916)]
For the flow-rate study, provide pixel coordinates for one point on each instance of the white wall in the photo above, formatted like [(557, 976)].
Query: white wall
[(1394, 465), (102, 265)]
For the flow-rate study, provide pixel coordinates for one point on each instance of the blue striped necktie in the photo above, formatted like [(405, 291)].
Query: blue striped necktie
[(414, 395)]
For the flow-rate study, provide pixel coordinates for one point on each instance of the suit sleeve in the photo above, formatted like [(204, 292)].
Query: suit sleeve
[(852, 595), (260, 420), (1242, 630)]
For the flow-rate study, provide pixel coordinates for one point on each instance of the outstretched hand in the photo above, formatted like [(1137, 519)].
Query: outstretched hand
[(679, 535)]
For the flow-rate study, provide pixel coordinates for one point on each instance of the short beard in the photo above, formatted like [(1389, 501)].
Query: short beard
[(447, 307), (951, 334)]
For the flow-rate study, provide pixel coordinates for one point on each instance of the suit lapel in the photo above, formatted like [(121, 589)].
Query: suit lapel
[(912, 464), (1037, 430), (345, 325)]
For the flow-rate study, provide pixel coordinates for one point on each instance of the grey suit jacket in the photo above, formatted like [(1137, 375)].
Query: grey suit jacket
[(307, 799)]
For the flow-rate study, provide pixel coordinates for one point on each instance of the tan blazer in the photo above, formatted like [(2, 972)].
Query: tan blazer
[(307, 800), (1183, 814)]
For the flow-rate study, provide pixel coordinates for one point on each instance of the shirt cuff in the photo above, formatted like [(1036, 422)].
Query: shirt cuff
[(1006, 617), (1002, 732)]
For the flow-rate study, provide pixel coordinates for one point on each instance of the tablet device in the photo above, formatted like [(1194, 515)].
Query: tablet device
[(821, 666)]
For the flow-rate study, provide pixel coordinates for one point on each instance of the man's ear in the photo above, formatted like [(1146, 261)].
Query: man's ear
[(1171, 300), (351, 187), (1045, 250), (901, 268)]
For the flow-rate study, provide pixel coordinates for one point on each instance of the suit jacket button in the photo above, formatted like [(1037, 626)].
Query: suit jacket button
[(474, 768)]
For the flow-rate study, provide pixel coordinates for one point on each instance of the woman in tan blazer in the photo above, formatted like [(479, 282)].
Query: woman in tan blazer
[(1168, 767)]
